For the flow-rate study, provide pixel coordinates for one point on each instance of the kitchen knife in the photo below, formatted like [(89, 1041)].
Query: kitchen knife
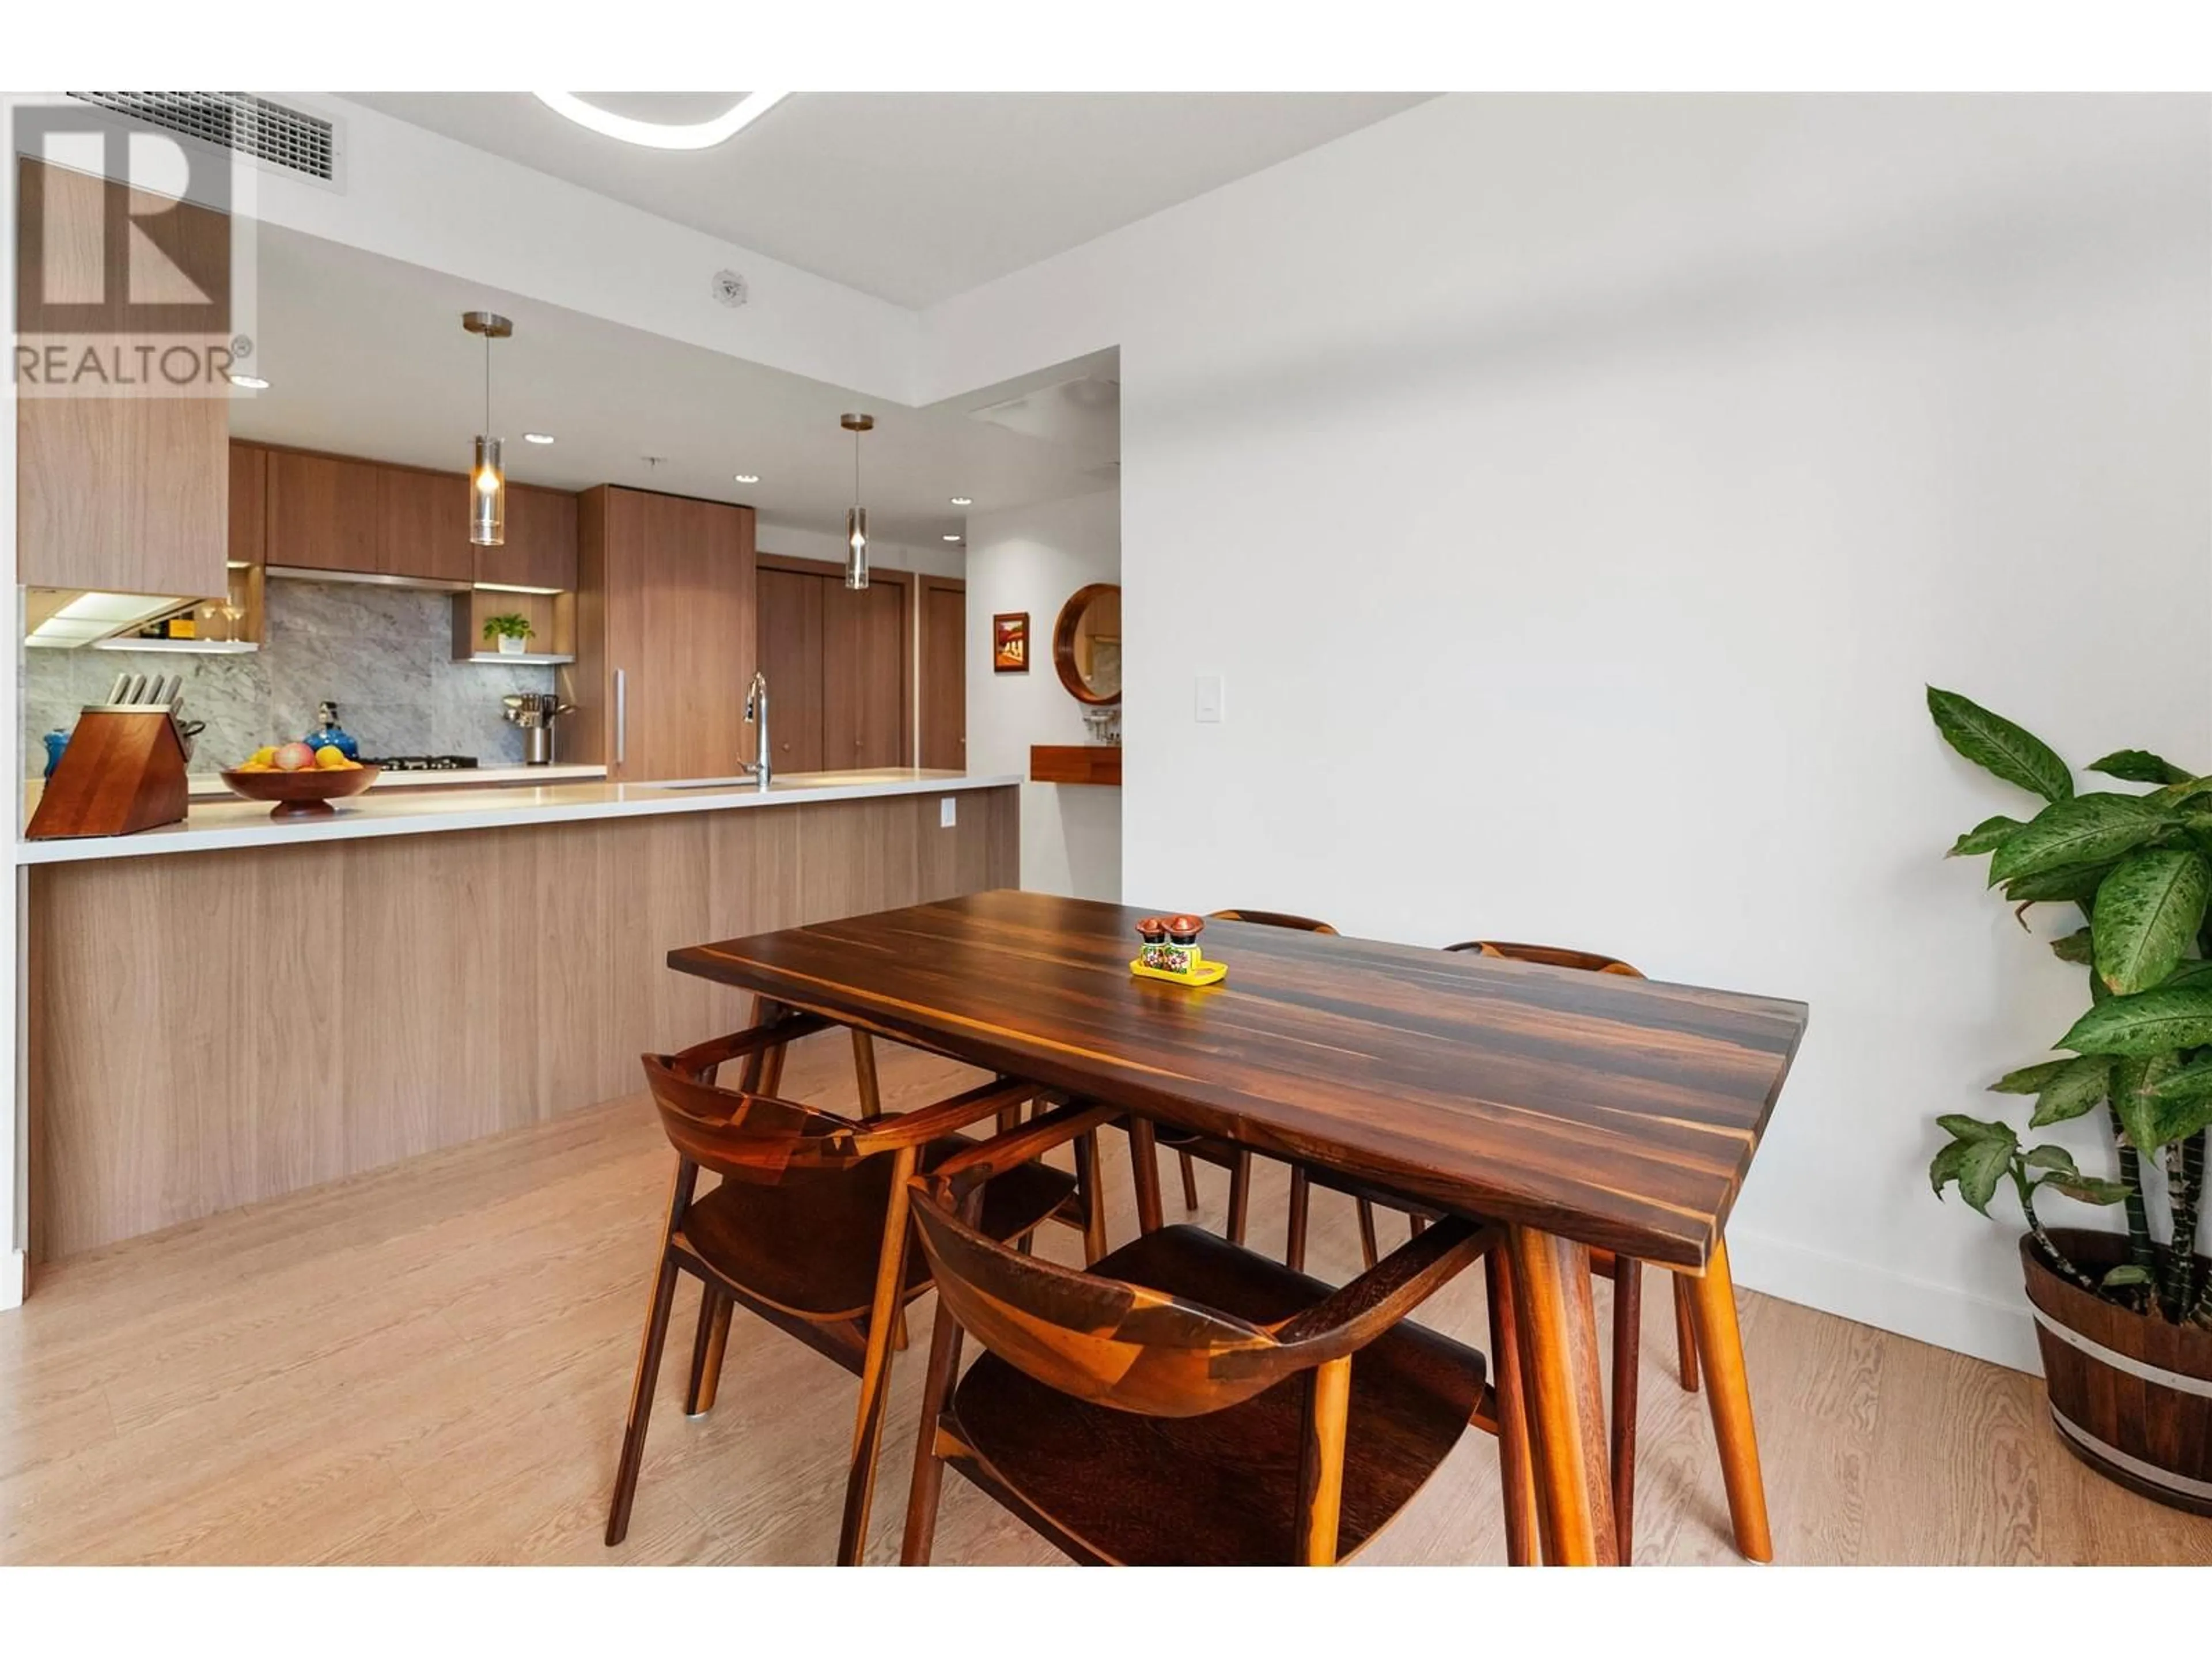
[(121, 684)]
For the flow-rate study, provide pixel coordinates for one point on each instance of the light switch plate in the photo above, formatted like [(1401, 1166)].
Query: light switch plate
[(948, 812), (1209, 700)]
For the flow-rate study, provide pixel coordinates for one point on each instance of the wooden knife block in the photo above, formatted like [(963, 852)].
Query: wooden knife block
[(123, 771)]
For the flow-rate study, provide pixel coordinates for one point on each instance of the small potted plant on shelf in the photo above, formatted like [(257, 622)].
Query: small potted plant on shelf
[(510, 632), (2123, 1318)]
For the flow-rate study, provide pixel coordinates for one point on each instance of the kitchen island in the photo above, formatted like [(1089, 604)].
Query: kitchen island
[(227, 1009)]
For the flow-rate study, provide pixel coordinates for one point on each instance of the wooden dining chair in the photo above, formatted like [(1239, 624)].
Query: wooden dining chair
[(1083, 1209), (807, 1229), (1187, 1400), (1191, 1148)]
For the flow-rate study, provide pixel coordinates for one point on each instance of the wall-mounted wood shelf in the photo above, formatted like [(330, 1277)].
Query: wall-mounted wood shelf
[(1076, 762), (189, 647)]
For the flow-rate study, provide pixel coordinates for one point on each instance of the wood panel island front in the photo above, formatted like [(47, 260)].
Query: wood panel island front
[(231, 1009)]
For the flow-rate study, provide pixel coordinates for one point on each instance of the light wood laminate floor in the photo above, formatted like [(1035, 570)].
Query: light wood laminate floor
[(429, 1363)]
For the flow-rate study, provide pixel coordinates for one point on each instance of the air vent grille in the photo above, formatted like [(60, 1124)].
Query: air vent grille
[(286, 138)]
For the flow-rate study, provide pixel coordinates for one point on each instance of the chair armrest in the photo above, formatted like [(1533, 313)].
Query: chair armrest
[(918, 1128), (1371, 1304), (699, 1061), (986, 1158)]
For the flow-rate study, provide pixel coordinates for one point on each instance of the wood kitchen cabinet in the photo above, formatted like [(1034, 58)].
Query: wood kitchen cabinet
[(249, 505), (791, 657), (943, 632), (540, 550), (422, 526), (356, 517), (127, 492), (863, 677), (664, 624), (323, 512), (837, 664)]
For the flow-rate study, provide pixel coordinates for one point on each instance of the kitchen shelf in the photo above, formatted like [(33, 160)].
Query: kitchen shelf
[(1076, 762), (522, 659), (202, 647)]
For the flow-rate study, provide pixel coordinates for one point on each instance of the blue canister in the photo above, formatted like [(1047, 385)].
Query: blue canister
[(56, 740)]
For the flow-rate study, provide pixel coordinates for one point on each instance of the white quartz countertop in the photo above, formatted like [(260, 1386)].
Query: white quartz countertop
[(213, 826), (210, 786)]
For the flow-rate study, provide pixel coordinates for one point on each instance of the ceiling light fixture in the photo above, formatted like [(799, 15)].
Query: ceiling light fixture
[(251, 382), (487, 478), (665, 135), (856, 516), (537, 437), (746, 477), (963, 500)]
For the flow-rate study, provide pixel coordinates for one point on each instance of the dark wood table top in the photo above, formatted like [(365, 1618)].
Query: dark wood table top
[(1619, 1112)]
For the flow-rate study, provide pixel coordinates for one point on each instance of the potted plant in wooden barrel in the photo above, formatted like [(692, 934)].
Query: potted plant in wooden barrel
[(2123, 1318)]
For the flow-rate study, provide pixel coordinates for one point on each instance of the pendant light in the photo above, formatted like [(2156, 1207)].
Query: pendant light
[(856, 516), (487, 477)]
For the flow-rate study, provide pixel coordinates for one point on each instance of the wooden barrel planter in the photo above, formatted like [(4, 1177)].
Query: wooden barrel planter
[(2130, 1394)]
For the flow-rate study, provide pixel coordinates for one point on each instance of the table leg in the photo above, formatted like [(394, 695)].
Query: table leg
[(864, 1073), (1728, 1389), (1144, 1171), (1515, 1474), (1560, 1370)]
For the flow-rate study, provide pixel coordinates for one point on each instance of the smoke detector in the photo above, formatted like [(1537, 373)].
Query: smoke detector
[(729, 287)]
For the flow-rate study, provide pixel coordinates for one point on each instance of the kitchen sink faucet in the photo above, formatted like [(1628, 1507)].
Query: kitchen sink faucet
[(756, 705)]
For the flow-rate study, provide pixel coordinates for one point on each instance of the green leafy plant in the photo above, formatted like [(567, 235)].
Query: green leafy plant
[(2138, 867), (513, 625)]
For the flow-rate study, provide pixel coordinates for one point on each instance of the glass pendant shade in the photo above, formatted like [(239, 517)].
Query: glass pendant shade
[(856, 547), (487, 496)]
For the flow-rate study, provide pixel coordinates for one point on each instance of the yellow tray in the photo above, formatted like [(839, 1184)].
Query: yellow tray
[(1206, 972)]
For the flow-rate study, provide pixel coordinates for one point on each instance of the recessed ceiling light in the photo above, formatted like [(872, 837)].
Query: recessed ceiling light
[(537, 437), (251, 382), (953, 538), (665, 135), (746, 477), (963, 500)]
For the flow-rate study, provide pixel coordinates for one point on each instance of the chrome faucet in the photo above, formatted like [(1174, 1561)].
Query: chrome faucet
[(757, 710)]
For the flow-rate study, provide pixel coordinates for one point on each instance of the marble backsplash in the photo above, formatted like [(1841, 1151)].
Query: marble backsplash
[(383, 654)]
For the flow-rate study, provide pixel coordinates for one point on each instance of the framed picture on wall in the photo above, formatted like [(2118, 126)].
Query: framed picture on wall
[(1010, 642)]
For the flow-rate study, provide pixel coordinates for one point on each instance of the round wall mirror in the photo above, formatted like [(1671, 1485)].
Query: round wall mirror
[(1087, 643)]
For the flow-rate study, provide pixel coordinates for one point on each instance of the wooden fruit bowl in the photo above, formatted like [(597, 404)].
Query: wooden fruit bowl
[(303, 794)]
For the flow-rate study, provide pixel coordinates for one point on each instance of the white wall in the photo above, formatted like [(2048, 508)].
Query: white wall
[(1575, 494), (1031, 559)]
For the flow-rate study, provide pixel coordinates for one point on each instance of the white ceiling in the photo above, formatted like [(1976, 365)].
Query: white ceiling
[(366, 355), (912, 196)]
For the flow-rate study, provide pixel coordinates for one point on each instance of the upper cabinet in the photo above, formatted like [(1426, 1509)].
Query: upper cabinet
[(249, 505), (422, 526), (540, 550), (126, 493), (322, 513), (356, 518)]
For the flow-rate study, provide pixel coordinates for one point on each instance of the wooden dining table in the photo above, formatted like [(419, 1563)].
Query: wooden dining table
[(1575, 1111)]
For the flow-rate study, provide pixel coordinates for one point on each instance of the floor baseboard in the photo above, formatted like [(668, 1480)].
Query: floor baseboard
[(15, 1278), (2000, 1332)]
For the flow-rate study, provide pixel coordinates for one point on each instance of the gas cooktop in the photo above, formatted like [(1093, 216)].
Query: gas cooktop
[(422, 762)]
